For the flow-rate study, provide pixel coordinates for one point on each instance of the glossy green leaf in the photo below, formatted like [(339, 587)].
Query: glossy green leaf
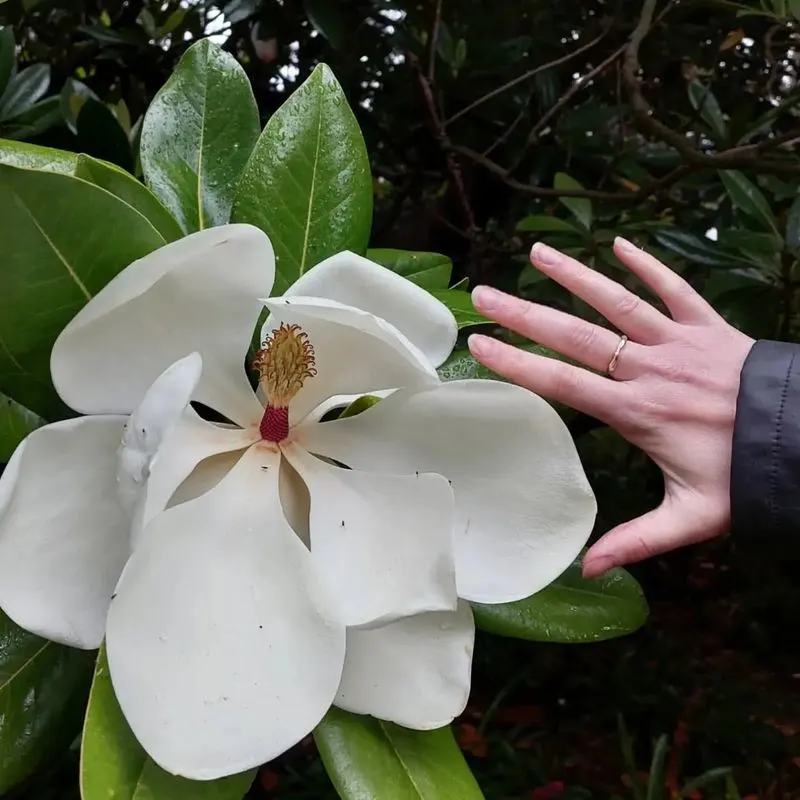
[(460, 303), (131, 191), (428, 270), (326, 17), (115, 767), (748, 198), (43, 688), (16, 422), (8, 56), (61, 244), (308, 182), (101, 135), (462, 366), (570, 610), (197, 135), (703, 100), (547, 225), (580, 207), (31, 156), (33, 121), (24, 89), (367, 758), (793, 225), (73, 95), (696, 249)]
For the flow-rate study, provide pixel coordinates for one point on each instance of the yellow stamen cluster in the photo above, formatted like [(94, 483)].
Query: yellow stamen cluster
[(284, 362)]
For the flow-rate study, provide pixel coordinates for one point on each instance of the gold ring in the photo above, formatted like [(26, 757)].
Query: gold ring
[(612, 365)]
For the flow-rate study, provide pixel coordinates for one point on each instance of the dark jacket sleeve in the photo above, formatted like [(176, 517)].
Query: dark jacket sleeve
[(765, 467)]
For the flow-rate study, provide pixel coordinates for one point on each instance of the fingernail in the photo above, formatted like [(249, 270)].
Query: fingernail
[(480, 345), (486, 298), (545, 255), (624, 245), (598, 566)]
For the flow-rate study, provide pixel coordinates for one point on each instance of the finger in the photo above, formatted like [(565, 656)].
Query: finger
[(658, 531), (683, 302), (582, 390), (574, 337), (621, 307)]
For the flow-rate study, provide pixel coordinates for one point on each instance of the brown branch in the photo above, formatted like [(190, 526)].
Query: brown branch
[(526, 76), (434, 41)]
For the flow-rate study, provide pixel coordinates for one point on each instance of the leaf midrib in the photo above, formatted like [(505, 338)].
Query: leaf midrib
[(403, 764), (307, 231), (25, 666)]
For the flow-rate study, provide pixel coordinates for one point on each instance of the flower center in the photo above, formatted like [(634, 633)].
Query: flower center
[(284, 362)]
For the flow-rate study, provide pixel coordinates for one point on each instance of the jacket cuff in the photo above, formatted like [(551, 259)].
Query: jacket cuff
[(765, 463)]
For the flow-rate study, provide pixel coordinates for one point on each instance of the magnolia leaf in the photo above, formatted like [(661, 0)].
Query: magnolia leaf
[(114, 766), (100, 134), (124, 186), (32, 156), (33, 121), (73, 95), (572, 609), (308, 182), (326, 17), (460, 303), (703, 100), (24, 90), (16, 422), (748, 198), (366, 757), (43, 687), (793, 225), (428, 270), (197, 135), (581, 208), (548, 225), (61, 244), (8, 57), (696, 249)]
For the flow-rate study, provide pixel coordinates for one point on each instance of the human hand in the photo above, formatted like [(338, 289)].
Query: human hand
[(673, 391)]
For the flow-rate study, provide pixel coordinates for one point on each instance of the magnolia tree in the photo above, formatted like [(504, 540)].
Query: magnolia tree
[(257, 495)]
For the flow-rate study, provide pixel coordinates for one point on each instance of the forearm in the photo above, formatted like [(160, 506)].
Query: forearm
[(765, 468)]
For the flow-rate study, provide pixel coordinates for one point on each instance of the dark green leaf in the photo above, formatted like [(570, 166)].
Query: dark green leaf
[(747, 197), (115, 767), (34, 121), (793, 225), (571, 610), (703, 100), (547, 224), (326, 17), (62, 244), (73, 95), (197, 136), (16, 422), (460, 303), (367, 758), (43, 689), (580, 208), (107, 36), (695, 249), (8, 56), (308, 182), (24, 89), (131, 191), (31, 156), (101, 135), (428, 270)]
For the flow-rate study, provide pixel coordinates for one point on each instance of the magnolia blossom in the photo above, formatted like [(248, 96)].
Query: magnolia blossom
[(280, 563)]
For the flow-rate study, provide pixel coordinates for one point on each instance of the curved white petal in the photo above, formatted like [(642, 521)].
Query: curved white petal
[(355, 351), (524, 507), (160, 409), (185, 449), (197, 294), (218, 645), (63, 532), (385, 542), (356, 281), (415, 672)]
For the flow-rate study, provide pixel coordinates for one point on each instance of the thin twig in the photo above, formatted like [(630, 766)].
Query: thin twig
[(434, 41), (525, 76)]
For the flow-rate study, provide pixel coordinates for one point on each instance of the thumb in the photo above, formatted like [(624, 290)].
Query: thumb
[(668, 527)]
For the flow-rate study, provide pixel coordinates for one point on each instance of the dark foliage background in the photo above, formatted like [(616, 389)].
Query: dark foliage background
[(491, 125)]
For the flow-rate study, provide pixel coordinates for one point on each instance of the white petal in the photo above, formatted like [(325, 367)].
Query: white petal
[(63, 533), (524, 507), (160, 409), (218, 647), (197, 294), (356, 281), (384, 541), (415, 672), (186, 447), (355, 352)]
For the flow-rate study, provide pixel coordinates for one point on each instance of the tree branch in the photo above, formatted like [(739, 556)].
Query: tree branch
[(434, 41)]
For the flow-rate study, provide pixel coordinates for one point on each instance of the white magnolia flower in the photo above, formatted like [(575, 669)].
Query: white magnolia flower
[(277, 581), (68, 498)]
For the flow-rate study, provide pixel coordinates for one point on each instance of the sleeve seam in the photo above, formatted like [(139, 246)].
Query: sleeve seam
[(776, 446)]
